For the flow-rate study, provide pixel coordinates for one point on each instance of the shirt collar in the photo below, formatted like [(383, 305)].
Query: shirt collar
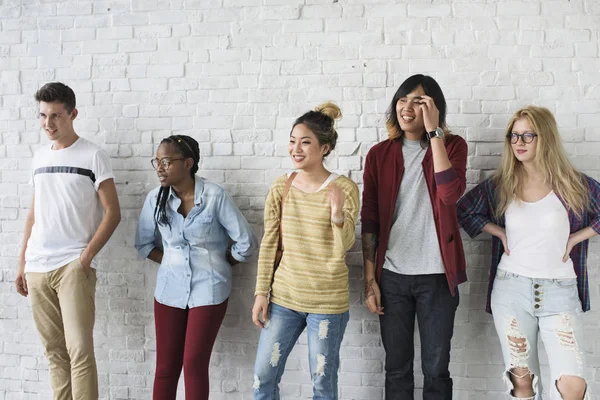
[(198, 190)]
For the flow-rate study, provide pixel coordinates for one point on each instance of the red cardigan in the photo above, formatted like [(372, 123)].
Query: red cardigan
[(384, 167)]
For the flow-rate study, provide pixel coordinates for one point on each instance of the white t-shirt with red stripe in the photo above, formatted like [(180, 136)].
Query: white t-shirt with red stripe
[(67, 208)]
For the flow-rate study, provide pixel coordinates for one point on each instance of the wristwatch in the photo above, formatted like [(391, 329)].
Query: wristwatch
[(437, 133)]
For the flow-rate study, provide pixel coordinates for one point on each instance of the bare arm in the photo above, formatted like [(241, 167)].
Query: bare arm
[(441, 162), (107, 192), (372, 293), (21, 281), (369, 248)]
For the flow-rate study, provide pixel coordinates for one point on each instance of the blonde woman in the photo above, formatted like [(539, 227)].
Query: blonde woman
[(309, 289), (541, 212)]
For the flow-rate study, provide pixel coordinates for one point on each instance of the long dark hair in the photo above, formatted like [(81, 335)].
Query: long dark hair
[(188, 147), (431, 88)]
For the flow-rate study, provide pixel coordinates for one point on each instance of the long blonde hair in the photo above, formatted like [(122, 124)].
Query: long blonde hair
[(551, 160)]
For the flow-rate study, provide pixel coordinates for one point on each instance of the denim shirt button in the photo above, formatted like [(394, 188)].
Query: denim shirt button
[(188, 275)]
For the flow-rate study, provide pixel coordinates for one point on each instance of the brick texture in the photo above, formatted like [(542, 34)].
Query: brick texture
[(234, 74)]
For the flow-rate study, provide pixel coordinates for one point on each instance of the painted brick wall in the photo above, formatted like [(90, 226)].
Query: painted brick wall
[(234, 74)]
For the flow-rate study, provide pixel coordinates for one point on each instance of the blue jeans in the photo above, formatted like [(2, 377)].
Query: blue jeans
[(428, 298), (523, 307), (277, 338)]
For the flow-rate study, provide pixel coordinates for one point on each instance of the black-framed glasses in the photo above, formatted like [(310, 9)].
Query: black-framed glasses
[(164, 162), (526, 137)]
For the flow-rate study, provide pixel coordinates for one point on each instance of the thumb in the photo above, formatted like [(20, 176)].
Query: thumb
[(505, 244), (265, 313)]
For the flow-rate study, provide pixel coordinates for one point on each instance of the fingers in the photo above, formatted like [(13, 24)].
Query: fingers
[(21, 285), (566, 256), (255, 319), (427, 101), (378, 303), (374, 305), (505, 245), (257, 310), (371, 304)]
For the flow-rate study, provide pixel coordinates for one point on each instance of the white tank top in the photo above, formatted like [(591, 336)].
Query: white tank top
[(537, 235)]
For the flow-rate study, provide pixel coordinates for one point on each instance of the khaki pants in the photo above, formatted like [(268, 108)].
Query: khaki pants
[(63, 305)]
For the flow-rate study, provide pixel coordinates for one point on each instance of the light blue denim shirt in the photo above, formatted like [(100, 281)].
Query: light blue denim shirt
[(194, 270)]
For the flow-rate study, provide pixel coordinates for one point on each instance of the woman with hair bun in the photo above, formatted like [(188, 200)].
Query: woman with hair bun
[(187, 225), (309, 287)]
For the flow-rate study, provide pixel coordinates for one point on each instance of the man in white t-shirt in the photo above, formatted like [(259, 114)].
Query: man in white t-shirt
[(74, 211)]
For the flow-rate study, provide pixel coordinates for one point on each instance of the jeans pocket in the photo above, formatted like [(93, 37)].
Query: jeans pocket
[(503, 275), (565, 283)]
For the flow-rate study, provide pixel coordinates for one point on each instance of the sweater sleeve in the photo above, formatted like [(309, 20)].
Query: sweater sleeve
[(268, 245), (345, 235), (369, 214), (451, 183)]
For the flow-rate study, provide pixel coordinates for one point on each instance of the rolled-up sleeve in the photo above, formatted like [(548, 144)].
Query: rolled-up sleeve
[(238, 229), (147, 235), (473, 209), (594, 206)]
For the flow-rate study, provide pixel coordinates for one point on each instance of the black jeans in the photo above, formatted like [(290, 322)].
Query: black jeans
[(429, 298)]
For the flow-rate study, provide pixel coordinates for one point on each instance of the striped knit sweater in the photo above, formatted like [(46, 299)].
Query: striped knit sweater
[(312, 276)]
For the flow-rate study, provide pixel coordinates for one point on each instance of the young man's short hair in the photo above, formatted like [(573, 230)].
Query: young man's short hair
[(57, 92)]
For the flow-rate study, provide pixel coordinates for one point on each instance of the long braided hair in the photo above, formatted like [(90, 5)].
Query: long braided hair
[(188, 147)]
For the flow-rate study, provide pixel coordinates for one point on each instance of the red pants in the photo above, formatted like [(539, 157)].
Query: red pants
[(185, 338)]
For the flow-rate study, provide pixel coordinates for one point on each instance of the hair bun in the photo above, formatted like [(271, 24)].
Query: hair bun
[(330, 109)]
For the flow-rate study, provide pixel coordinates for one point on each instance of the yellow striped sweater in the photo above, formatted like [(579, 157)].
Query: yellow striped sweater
[(312, 276)]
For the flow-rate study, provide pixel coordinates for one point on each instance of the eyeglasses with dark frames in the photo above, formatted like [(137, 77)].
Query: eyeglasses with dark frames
[(526, 137), (164, 162)]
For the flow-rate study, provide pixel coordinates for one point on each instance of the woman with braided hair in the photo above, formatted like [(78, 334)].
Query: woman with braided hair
[(309, 289), (187, 225)]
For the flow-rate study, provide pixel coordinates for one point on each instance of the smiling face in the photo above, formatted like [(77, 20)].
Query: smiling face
[(304, 148), (410, 115), (56, 121), (524, 152), (177, 167)]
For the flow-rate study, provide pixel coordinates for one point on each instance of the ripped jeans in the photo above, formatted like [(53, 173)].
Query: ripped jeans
[(278, 337), (523, 306)]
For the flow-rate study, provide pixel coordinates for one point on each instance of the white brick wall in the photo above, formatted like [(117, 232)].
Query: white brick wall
[(234, 74)]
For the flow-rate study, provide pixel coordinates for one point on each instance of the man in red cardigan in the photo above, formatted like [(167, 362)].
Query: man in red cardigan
[(412, 248)]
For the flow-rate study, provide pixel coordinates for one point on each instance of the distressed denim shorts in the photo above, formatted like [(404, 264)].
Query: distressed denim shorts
[(523, 306)]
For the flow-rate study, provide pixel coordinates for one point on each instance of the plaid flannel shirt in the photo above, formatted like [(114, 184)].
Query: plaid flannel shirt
[(476, 209)]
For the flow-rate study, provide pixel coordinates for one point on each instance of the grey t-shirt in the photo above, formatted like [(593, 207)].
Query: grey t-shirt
[(413, 248)]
